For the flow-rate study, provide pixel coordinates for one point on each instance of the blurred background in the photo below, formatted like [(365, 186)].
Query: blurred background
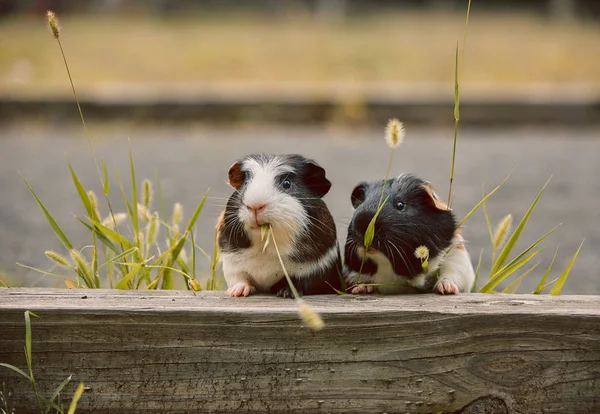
[(193, 85)]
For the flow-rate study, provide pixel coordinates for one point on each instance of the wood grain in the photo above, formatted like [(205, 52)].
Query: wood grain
[(174, 352)]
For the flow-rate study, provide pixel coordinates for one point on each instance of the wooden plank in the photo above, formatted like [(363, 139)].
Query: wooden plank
[(165, 351)]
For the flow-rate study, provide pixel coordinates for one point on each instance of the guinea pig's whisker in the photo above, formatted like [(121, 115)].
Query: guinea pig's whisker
[(400, 252), (314, 219)]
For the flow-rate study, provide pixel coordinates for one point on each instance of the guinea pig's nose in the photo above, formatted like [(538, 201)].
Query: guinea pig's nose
[(361, 221), (256, 207)]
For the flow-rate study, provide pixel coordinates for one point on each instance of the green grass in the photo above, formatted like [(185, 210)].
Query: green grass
[(44, 405)]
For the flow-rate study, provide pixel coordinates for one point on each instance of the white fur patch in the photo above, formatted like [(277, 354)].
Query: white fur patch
[(454, 266), (263, 270)]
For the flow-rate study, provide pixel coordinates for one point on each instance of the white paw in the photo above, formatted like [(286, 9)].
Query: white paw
[(363, 290), (445, 287), (241, 289)]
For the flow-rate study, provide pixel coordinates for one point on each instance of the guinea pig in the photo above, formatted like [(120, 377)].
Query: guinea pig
[(284, 191), (413, 216)]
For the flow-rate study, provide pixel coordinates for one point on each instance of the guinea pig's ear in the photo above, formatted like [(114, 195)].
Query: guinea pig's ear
[(434, 198), (358, 194), (314, 177), (236, 175)]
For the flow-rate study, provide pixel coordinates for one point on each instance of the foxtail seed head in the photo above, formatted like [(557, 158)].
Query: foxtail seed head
[(147, 194), (153, 227), (110, 223), (53, 23), (61, 260), (502, 231), (394, 133), (311, 318), (177, 213), (94, 203), (143, 213)]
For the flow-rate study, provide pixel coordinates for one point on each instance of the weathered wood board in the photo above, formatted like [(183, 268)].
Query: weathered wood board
[(174, 352)]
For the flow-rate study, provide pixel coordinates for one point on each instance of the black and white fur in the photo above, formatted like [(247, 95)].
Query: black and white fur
[(286, 192), (413, 216)]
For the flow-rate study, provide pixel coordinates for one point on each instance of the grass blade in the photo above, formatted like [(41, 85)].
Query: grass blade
[(45, 272), (57, 391), (120, 256), (488, 222), (370, 233), (28, 336), (76, 397), (111, 234), (17, 370), (192, 221), (106, 184), (560, 282), (503, 274), (527, 250), (82, 193), (477, 270), (135, 220), (193, 264), (484, 199), (95, 276), (515, 284), (101, 236), (53, 224), (540, 285), (124, 282), (512, 241), (130, 211), (214, 262)]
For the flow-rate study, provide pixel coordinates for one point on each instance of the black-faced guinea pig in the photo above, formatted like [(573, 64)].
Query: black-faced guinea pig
[(284, 191), (413, 217)]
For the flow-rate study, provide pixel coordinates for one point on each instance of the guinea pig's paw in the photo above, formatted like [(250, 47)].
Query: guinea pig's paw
[(286, 292), (241, 289), (445, 287), (363, 290)]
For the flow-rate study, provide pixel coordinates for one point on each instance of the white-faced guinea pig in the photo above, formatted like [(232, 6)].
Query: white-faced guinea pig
[(285, 192), (413, 216)]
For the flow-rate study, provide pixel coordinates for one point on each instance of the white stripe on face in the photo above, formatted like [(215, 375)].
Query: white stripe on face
[(282, 211)]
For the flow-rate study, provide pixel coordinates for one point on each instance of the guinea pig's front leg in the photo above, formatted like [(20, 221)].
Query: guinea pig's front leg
[(353, 266), (456, 273), (282, 287), (239, 283)]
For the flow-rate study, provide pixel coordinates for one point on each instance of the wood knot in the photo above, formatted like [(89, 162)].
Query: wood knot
[(488, 404)]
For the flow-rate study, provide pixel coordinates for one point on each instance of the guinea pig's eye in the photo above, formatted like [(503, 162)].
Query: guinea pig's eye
[(286, 184), (399, 205)]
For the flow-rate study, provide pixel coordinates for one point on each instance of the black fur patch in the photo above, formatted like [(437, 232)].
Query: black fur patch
[(398, 231)]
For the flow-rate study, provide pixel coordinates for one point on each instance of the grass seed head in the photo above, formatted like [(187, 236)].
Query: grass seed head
[(53, 23), (144, 213), (80, 261), (61, 260), (110, 223), (502, 231), (394, 133), (153, 227), (94, 202), (311, 318), (147, 194), (177, 213)]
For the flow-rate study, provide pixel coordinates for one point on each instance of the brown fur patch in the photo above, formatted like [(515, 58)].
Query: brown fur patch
[(220, 224), (236, 175), (458, 235), (439, 204)]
